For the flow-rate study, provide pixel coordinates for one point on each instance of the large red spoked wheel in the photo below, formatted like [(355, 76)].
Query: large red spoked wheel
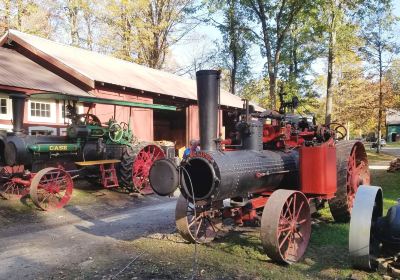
[(51, 188), (142, 164), (352, 172), (11, 182), (200, 227), (286, 226)]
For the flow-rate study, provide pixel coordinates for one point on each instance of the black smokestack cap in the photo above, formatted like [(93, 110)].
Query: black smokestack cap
[(208, 101)]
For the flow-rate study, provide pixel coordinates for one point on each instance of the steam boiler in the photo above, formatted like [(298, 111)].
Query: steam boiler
[(97, 147), (277, 169)]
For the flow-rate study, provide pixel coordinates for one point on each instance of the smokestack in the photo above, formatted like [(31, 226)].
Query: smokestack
[(18, 109), (207, 98)]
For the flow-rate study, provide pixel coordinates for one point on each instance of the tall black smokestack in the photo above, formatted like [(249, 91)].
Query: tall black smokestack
[(18, 109), (207, 97)]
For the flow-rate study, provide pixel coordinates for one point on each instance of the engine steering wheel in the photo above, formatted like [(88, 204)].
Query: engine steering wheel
[(339, 129), (115, 132)]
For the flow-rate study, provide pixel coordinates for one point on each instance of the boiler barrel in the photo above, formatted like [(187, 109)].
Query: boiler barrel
[(220, 175)]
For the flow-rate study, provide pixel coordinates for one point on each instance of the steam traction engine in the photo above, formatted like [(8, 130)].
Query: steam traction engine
[(42, 165), (275, 172)]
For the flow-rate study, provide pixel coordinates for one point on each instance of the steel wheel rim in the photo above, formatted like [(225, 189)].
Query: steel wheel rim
[(363, 246), (286, 226), (51, 188), (200, 229), (142, 164)]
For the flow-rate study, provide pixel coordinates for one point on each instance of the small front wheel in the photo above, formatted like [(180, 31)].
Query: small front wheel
[(51, 188)]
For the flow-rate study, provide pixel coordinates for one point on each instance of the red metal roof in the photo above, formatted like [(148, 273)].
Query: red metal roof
[(18, 71), (90, 67)]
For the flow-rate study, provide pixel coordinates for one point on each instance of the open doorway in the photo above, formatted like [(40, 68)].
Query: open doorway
[(170, 126)]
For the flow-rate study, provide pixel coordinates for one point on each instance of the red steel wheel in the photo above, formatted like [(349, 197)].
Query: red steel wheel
[(200, 228), (141, 167), (352, 171), (12, 190), (51, 188), (11, 186), (286, 226), (357, 174)]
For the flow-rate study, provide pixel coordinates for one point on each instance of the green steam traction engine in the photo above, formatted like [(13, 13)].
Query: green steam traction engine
[(43, 166)]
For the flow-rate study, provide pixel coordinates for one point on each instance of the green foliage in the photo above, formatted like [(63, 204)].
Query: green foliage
[(237, 38)]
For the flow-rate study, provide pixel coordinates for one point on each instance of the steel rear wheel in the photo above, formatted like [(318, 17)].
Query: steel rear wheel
[(286, 226), (352, 168), (141, 167), (51, 188), (363, 246), (200, 228)]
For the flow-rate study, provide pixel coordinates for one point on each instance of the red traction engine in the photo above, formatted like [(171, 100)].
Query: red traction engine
[(277, 171)]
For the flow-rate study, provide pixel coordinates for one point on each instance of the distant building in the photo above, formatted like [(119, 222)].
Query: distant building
[(393, 125)]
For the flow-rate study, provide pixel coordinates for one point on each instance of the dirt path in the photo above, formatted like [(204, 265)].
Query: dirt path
[(80, 242)]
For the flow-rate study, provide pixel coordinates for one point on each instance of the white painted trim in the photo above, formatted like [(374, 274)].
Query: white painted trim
[(7, 116), (40, 127), (53, 110)]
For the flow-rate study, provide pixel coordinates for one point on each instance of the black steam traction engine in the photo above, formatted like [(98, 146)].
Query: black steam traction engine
[(277, 170), (42, 165)]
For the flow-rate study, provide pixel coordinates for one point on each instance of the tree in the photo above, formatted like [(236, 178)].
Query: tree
[(276, 19), (236, 40), (157, 29), (377, 33), (27, 16)]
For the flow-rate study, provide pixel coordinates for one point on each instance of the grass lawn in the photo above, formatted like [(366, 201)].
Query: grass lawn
[(239, 254), (373, 157), (393, 144)]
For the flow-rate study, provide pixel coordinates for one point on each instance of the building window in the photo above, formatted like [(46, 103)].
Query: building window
[(3, 106), (39, 109)]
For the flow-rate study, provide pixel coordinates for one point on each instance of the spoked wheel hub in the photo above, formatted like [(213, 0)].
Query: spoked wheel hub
[(200, 227), (141, 167), (51, 188), (286, 226)]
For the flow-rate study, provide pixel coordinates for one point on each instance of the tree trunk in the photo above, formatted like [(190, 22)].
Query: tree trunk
[(7, 15), (331, 59), (20, 12), (272, 89), (378, 146)]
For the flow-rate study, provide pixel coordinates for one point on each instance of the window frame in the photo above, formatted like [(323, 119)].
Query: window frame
[(8, 115), (52, 111)]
